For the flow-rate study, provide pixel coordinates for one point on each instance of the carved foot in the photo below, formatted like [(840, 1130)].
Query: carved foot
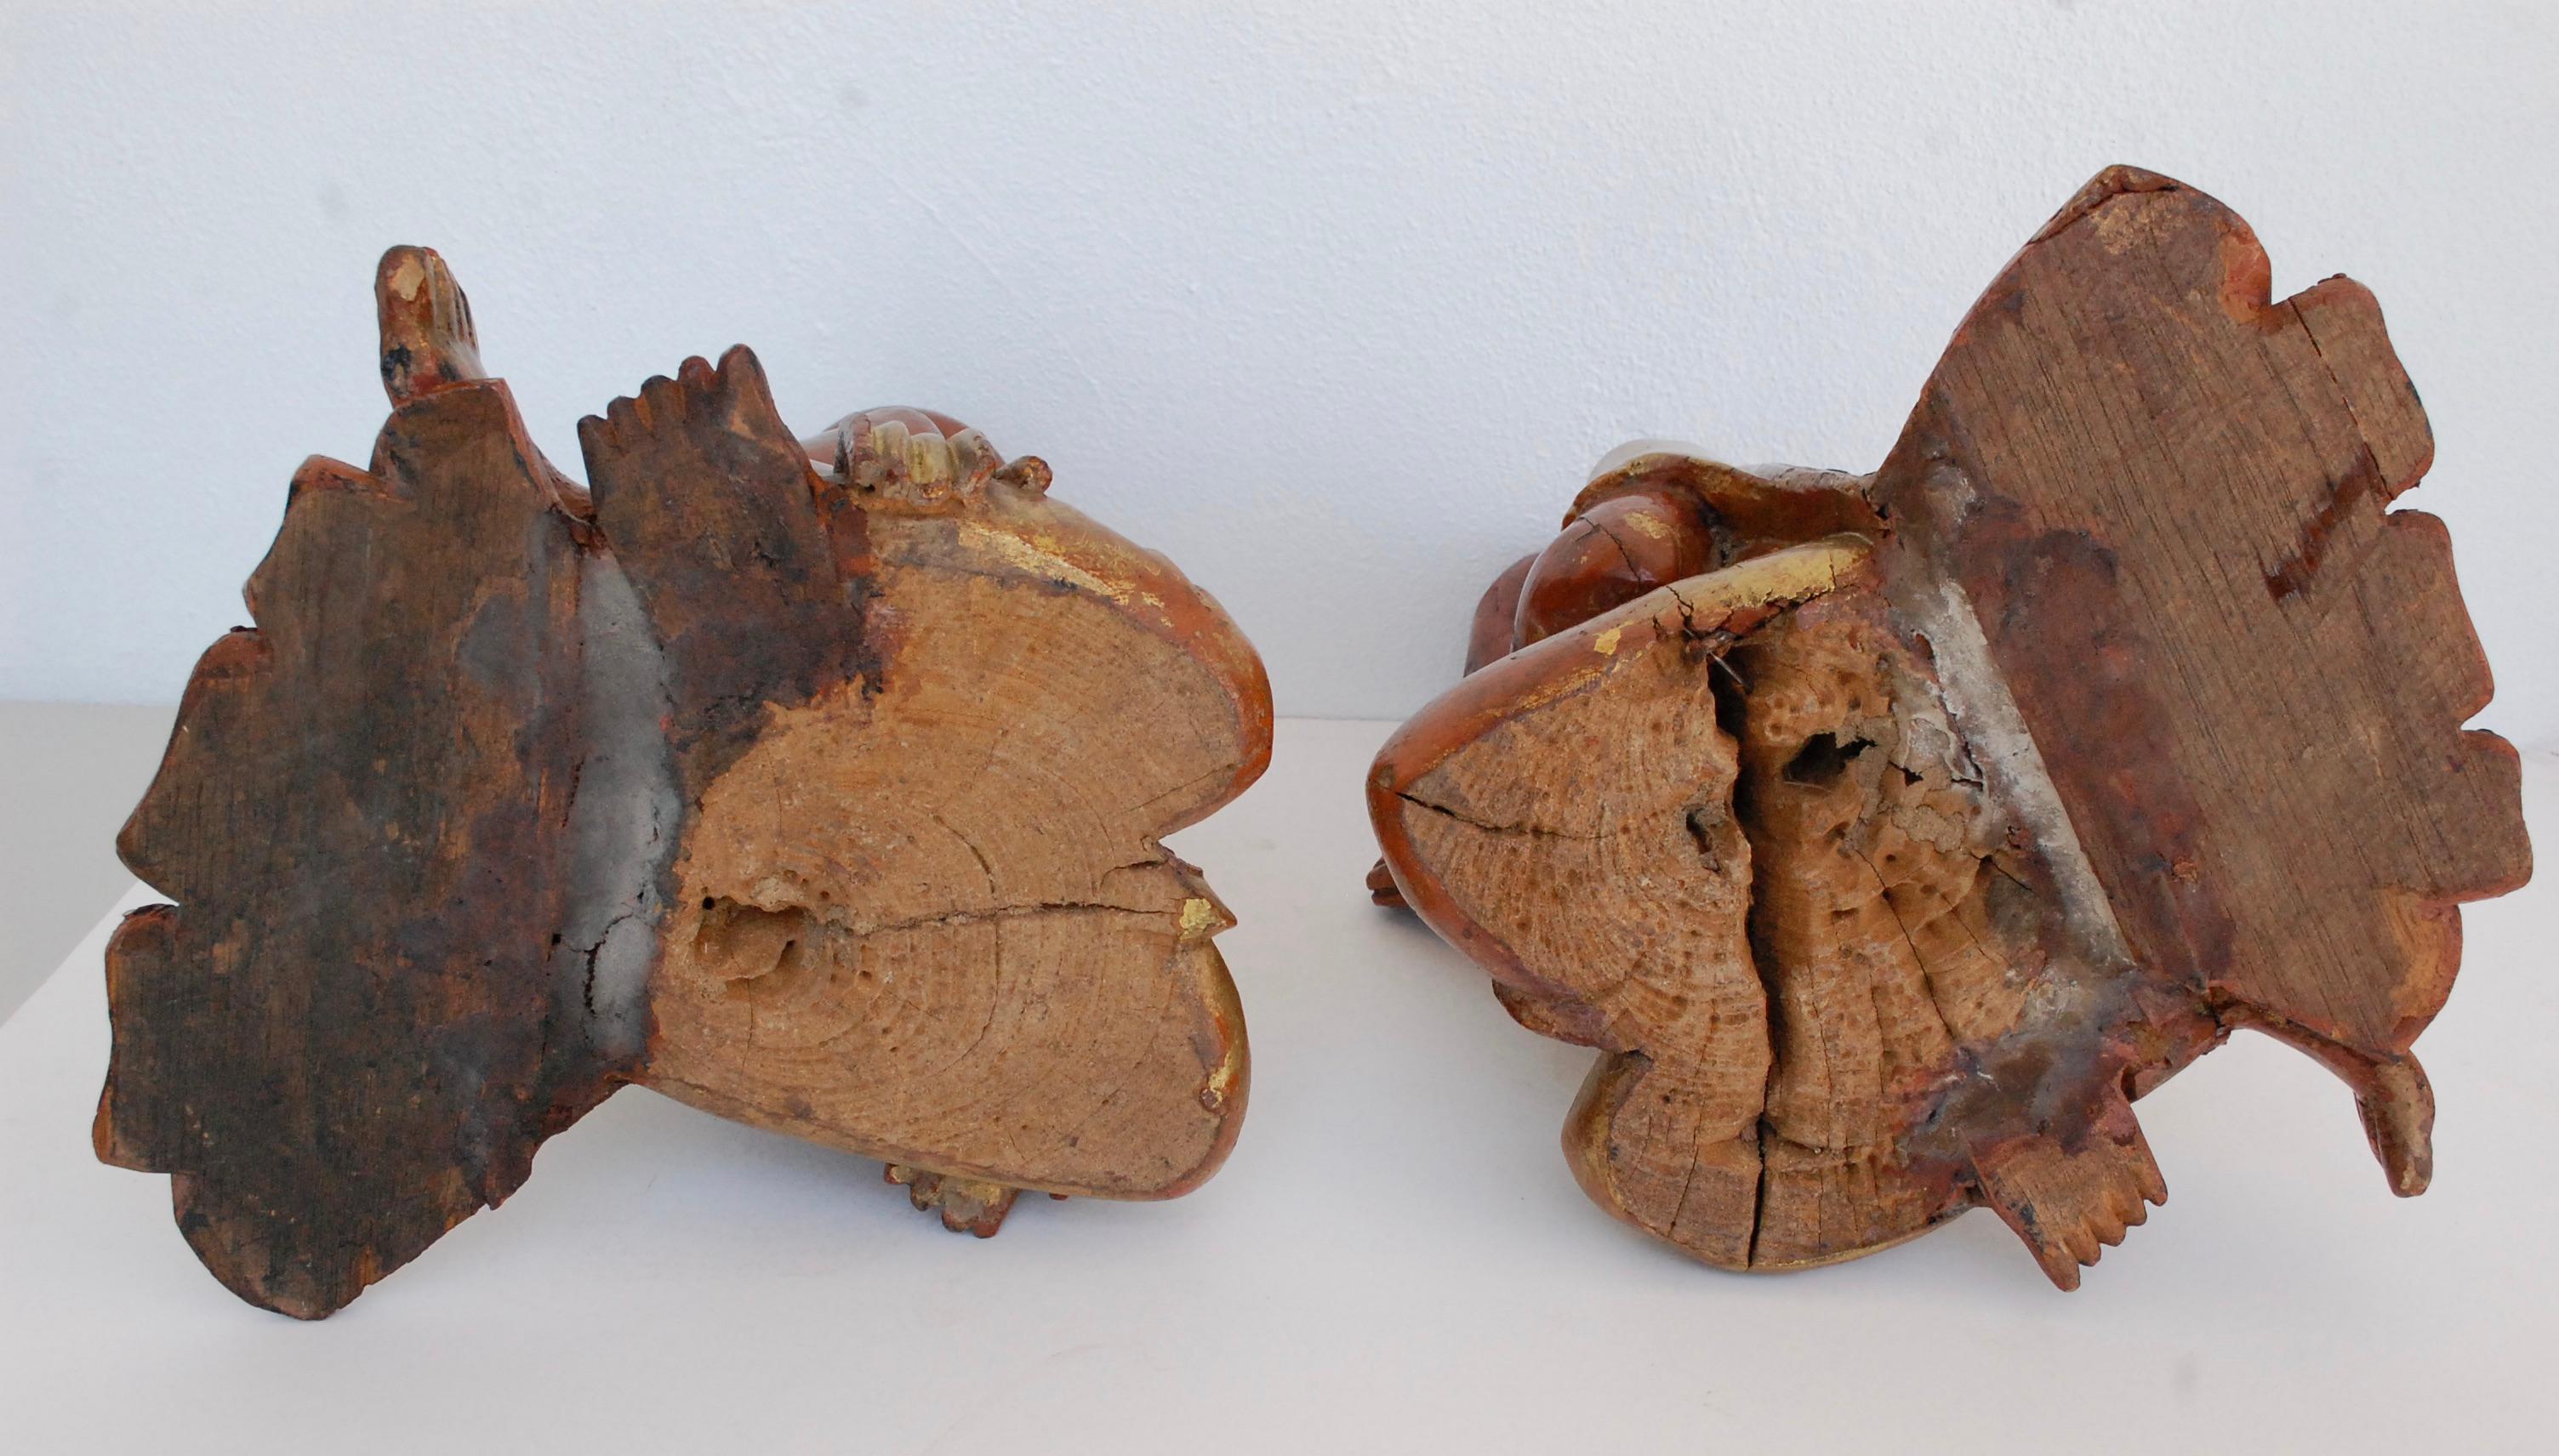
[(967, 1205), (2071, 1200)]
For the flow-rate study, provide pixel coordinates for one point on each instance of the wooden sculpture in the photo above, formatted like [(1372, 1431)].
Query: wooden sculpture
[(816, 784), (1890, 834)]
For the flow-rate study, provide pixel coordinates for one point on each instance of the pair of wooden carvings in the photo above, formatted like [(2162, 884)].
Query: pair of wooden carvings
[(818, 783), (1890, 835)]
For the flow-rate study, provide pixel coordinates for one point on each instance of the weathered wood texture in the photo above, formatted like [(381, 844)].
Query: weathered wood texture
[(1890, 835), (342, 1040), (921, 911), (821, 784)]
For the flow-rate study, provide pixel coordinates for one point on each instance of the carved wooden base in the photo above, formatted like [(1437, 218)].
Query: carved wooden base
[(1890, 834), (818, 784)]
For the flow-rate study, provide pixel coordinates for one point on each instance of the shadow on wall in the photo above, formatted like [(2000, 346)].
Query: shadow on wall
[(72, 772)]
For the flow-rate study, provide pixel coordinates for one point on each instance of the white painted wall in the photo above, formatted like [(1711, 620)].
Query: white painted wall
[(1335, 302)]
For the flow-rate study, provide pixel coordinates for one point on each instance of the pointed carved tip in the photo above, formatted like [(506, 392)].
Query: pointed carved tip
[(427, 339), (2397, 1105)]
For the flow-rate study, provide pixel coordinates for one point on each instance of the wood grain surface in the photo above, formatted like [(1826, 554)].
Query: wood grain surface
[(2123, 715), (820, 784), (343, 1038)]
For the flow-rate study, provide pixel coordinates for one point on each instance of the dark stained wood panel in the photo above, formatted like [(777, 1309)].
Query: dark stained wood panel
[(342, 1039)]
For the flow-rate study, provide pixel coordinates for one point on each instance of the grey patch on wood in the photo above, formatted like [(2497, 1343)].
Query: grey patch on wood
[(622, 821), (2014, 774)]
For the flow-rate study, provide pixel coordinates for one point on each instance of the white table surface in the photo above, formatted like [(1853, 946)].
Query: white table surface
[(1394, 1259)]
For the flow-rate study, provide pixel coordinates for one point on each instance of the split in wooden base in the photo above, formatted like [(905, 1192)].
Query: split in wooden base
[(1889, 836)]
